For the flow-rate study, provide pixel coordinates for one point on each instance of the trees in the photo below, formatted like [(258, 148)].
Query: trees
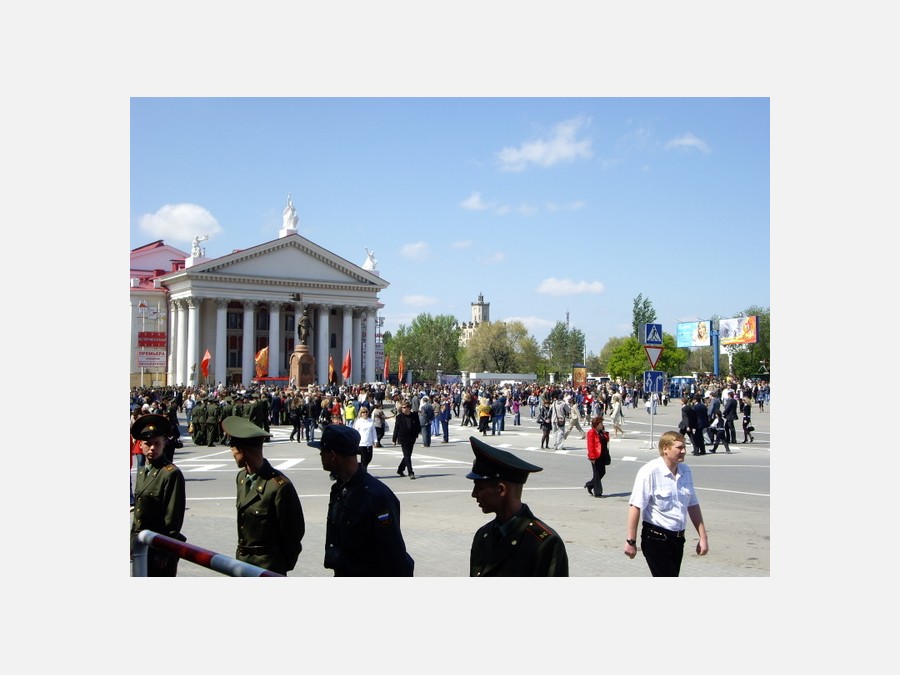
[(642, 312), (562, 348), (429, 344), (628, 359), (501, 347)]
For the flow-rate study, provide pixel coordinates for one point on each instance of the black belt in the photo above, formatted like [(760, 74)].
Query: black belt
[(253, 550), (663, 532)]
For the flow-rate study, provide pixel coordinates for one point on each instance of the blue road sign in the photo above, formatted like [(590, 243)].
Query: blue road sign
[(654, 381), (653, 334)]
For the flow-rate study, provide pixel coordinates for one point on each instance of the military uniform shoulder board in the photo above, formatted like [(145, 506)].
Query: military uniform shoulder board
[(539, 530), (169, 467), (281, 480)]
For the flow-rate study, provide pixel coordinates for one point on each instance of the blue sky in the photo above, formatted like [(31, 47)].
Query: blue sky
[(547, 206)]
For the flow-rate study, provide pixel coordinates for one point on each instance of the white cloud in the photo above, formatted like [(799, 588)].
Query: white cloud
[(179, 222), (416, 251), (527, 209), (687, 141), (560, 146), (419, 300), (553, 286), (465, 243), (474, 202)]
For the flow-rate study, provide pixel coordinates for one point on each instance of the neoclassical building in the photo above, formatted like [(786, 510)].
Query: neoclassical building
[(238, 304)]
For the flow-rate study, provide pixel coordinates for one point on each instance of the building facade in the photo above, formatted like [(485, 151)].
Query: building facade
[(236, 305)]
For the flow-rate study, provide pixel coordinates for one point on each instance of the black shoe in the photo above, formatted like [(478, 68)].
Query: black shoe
[(401, 474), (695, 453), (589, 489)]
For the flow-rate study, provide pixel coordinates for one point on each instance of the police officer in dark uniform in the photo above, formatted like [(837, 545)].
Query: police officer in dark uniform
[(270, 522), (159, 495), (515, 543), (362, 534)]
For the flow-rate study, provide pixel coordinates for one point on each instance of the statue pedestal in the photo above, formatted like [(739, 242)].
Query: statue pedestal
[(303, 367)]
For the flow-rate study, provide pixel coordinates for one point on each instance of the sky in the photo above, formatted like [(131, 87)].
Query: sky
[(555, 209)]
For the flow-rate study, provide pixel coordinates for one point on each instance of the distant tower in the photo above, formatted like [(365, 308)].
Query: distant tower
[(481, 310), (481, 313)]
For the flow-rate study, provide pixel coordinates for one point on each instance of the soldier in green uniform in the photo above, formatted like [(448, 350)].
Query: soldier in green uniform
[(227, 410), (198, 420), (213, 418), (515, 543), (270, 523), (159, 495)]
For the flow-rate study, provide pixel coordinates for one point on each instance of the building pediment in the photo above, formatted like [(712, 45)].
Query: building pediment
[(290, 262)]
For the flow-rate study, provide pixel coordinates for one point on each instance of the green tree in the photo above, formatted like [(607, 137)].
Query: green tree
[(429, 344), (502, 347), (628, 359), (562, 348), (642, 313)]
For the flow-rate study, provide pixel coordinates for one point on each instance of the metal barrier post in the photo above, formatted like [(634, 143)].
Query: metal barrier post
[(205, 558)]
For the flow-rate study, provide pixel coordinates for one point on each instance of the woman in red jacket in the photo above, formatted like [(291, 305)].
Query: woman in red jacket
[(598, 454)]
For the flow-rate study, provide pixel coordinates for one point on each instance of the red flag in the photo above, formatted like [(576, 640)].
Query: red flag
[(400, 370), (347, 367), (262, 362), (204, 364), (330, 368), (387, 367)]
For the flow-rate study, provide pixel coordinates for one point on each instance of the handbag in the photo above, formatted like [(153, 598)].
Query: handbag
[(750, 428)]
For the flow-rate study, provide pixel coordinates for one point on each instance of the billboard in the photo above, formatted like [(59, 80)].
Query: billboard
[(692, 334), (738, 331)]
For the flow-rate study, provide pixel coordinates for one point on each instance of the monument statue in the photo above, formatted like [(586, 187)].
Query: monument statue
[(370, 262), (196, 251), (289, 215), (303, 327)]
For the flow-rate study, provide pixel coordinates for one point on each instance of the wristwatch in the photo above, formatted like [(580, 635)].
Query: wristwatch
[(631, 542)]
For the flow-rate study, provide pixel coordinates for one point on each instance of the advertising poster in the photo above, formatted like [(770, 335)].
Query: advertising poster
[(693, 334), (738, 331)]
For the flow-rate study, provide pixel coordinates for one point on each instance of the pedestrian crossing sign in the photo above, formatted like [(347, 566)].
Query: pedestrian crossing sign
[(653, 334)]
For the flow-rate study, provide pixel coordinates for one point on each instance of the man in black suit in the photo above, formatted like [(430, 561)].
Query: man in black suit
[(730, 413), (699, 431), (712, 408)]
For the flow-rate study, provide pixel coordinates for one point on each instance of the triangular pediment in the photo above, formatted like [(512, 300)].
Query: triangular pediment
[(289, 260)]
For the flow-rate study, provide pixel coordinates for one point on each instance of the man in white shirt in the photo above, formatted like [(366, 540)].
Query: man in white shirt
[(664, 498)]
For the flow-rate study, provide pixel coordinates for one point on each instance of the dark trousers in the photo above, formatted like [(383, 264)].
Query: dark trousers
[(730, 431), (599, 471), (379, 434), (445, 429), (406, 462), (721, 437), (698, 443), (365, 455), (663, 549)]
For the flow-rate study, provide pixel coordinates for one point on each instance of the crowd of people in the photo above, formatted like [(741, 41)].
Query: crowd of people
[(350, 421)]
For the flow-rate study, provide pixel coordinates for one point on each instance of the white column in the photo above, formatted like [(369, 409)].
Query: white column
[(357, 345), (171, 362), (248, 369), (181, 366), (193, 338), (220, 357), (346, 341), (274, 339), (322, 335), (371, 318)]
